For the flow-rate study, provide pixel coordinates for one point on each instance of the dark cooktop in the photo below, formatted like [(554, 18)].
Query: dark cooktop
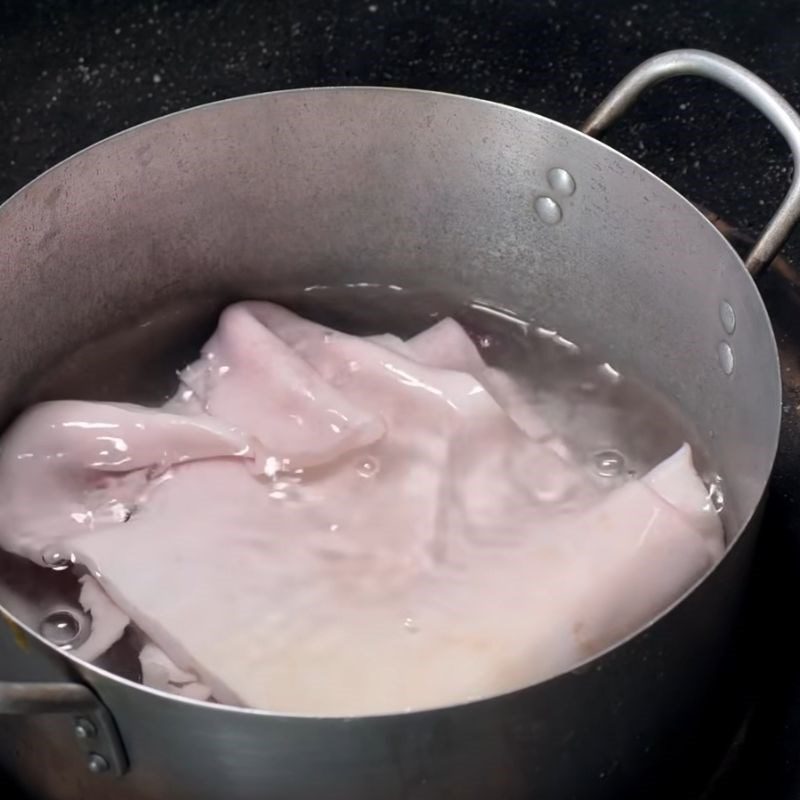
[(75, 71)]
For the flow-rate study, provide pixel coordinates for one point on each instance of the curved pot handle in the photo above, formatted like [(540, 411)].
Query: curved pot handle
[(745, 84), (92, 722)]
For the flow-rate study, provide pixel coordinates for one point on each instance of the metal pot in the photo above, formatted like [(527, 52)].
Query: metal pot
[(242, 197)]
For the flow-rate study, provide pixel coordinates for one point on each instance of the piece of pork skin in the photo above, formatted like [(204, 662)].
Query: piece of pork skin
[(108, 620), (402, 593), (66, 466), (445, 345), (307, 619), (160, 672), (248, 377), (363, 371)]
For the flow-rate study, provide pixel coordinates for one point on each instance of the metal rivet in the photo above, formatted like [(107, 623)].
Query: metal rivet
[(548, 210), (727, 317), (84, 729), (561, 181), (97, 763), (725, 353)]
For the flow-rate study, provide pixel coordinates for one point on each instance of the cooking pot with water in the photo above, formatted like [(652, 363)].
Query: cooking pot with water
[(243, 197)]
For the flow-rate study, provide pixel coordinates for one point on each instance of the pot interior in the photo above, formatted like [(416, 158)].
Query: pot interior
[(266, 195)]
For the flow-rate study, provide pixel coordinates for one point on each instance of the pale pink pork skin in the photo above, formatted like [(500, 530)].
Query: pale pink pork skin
[(324, 524)]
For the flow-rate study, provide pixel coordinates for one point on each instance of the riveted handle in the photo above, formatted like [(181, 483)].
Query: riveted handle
[(92, 723), (747, 85)]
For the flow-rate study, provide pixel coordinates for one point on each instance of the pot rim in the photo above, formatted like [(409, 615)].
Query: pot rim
[(83, 666)]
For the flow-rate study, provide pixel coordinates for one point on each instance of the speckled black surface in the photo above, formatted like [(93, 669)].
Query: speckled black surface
[(74, 71)]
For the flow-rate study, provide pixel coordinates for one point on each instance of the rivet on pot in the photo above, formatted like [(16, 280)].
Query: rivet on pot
[(547, 210), (561, 182), (725, 353), (727, 317), (97, 763), (84, 729)]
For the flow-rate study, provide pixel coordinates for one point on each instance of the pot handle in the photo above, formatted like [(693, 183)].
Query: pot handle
[(92, 723), (747, 85)]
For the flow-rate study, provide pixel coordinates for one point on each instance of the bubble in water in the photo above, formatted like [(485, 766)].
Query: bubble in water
[(368, 467), (410, 625), (289, 489), (113, 512), (56, 559), (484, 342), (609, 463), (272, 466), (61, 628)]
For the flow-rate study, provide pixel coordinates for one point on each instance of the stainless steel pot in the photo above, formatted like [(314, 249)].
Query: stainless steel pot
[(241, 198)]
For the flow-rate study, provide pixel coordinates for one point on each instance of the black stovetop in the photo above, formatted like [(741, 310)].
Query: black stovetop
[(75, 71)]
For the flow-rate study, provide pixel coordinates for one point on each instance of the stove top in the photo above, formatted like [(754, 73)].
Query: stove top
[(76, 71)]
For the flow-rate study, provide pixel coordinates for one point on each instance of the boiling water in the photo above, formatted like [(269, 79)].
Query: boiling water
[(612, 424)]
